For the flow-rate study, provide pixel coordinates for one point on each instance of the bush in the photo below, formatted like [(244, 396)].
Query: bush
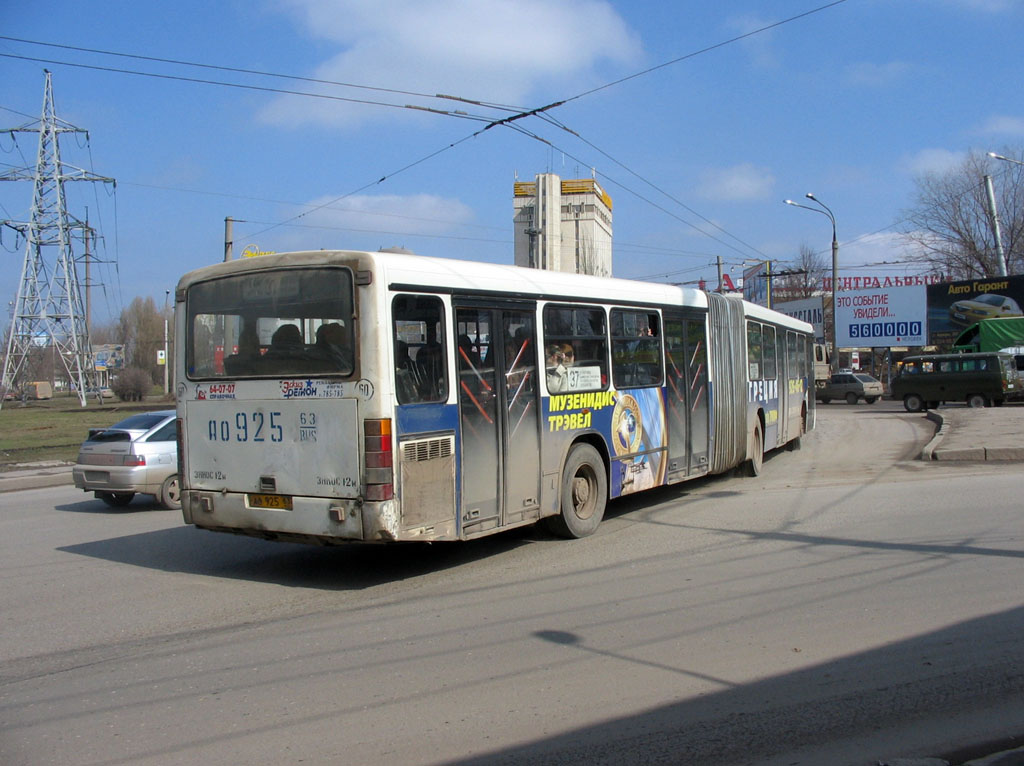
[(132, 385)]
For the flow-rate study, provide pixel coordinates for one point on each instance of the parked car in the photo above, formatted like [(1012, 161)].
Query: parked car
[(138, 455), (979, 380), (850, 387), (984, 306)]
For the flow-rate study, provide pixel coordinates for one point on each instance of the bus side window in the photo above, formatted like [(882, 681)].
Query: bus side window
[(419, 338)]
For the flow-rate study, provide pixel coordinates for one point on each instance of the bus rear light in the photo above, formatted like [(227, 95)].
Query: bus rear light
[(378, 492), (378, 460)]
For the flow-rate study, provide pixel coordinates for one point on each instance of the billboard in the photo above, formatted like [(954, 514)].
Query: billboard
[(954, 306), (809, 310), (757, 284), (108, 357), (885, 316)]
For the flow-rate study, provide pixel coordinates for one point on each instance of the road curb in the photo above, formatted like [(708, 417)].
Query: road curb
[(36, 477), (928, 453)]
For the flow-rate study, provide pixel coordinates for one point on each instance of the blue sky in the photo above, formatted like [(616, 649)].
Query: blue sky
[(850, 102)]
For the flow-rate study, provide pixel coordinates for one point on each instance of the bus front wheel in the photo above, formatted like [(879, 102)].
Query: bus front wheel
[(584, 494)]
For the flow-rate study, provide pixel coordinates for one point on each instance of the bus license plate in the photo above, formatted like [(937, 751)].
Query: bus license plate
[(277, 502)]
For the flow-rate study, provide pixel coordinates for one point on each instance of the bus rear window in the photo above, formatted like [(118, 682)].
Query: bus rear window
[(271, 324)]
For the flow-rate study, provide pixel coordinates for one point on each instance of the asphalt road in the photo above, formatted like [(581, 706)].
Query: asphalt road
[(852, 604)]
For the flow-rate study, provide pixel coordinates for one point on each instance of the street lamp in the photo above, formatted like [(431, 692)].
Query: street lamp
[(995, 156), (825, 211)]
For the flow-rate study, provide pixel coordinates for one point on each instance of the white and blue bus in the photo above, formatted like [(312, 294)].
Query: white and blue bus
[(339, 396)]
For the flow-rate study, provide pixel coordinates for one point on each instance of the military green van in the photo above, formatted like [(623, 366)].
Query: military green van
[(980, 380)]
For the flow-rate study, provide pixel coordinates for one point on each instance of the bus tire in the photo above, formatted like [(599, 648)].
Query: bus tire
[(753, 465), (584, 494), (913, 403), (977, 400), (170, 493)]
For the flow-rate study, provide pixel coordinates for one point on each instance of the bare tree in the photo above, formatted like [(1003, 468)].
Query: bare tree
[(141, 330), (810, 266), (950, 228)]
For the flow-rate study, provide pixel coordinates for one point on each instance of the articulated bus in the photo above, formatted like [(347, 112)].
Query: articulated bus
[(337, 396)]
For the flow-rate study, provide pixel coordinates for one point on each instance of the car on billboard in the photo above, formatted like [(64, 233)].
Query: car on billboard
[(984, 306)]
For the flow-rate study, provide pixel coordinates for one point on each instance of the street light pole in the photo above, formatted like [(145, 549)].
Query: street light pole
[(826, 211)]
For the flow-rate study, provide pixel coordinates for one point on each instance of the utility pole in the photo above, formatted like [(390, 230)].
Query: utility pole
[(229, 238), (48, 308), (994, 220)]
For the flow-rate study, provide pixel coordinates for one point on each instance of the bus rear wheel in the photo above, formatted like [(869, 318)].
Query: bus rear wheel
[(753, 466), (584, 494), (976, 400), (913, 403)]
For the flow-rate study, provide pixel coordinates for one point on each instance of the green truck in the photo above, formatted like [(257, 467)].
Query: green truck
[(992, 335)]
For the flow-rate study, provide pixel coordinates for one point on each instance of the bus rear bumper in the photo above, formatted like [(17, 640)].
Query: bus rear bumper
[(316, 520)]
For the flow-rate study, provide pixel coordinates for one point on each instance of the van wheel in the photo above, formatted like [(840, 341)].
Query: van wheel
[(913, 403), (753, 466), (170, 493), (584, 494), (851, 398), (977, 400)]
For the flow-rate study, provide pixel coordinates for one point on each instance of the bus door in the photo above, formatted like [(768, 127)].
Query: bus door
[(496, 359), (686, 378)]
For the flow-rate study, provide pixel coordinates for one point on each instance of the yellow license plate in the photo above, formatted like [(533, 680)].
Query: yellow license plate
[(277, 502)]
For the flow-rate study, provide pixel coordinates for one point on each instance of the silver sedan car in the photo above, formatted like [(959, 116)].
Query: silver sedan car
[(138, 455)]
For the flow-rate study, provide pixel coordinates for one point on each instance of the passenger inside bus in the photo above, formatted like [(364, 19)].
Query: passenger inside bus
[(244, 361), (556, 366), (331, 347)]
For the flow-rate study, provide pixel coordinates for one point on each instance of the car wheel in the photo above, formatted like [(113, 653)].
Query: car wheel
[(913, 403), (976, 400), (851, 398), (825, 400), (116, 499), (170, 493), (584, 494), (870, 399)]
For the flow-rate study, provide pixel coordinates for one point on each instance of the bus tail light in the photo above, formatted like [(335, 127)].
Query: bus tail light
[(378, 457)]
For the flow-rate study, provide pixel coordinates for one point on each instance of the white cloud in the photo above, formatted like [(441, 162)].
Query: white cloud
[(934, 161), (758, 46), (736, 184), (875, 75), (499, 51), (1004, 125)]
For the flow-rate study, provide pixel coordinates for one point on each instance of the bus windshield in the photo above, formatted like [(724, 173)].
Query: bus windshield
[(278, 323)]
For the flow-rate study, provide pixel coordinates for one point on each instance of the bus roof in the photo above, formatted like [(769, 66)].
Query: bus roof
[(410, 272)]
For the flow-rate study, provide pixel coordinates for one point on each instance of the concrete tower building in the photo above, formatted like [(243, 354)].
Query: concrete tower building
[(563, 225)]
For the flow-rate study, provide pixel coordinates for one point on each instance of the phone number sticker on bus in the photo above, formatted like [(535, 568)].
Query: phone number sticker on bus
[(215, 391), (318, 389)]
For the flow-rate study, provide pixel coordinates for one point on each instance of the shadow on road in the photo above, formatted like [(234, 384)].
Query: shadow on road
[(352, 566)]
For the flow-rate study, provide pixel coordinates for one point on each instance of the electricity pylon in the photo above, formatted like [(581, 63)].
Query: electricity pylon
[(49, 316)]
